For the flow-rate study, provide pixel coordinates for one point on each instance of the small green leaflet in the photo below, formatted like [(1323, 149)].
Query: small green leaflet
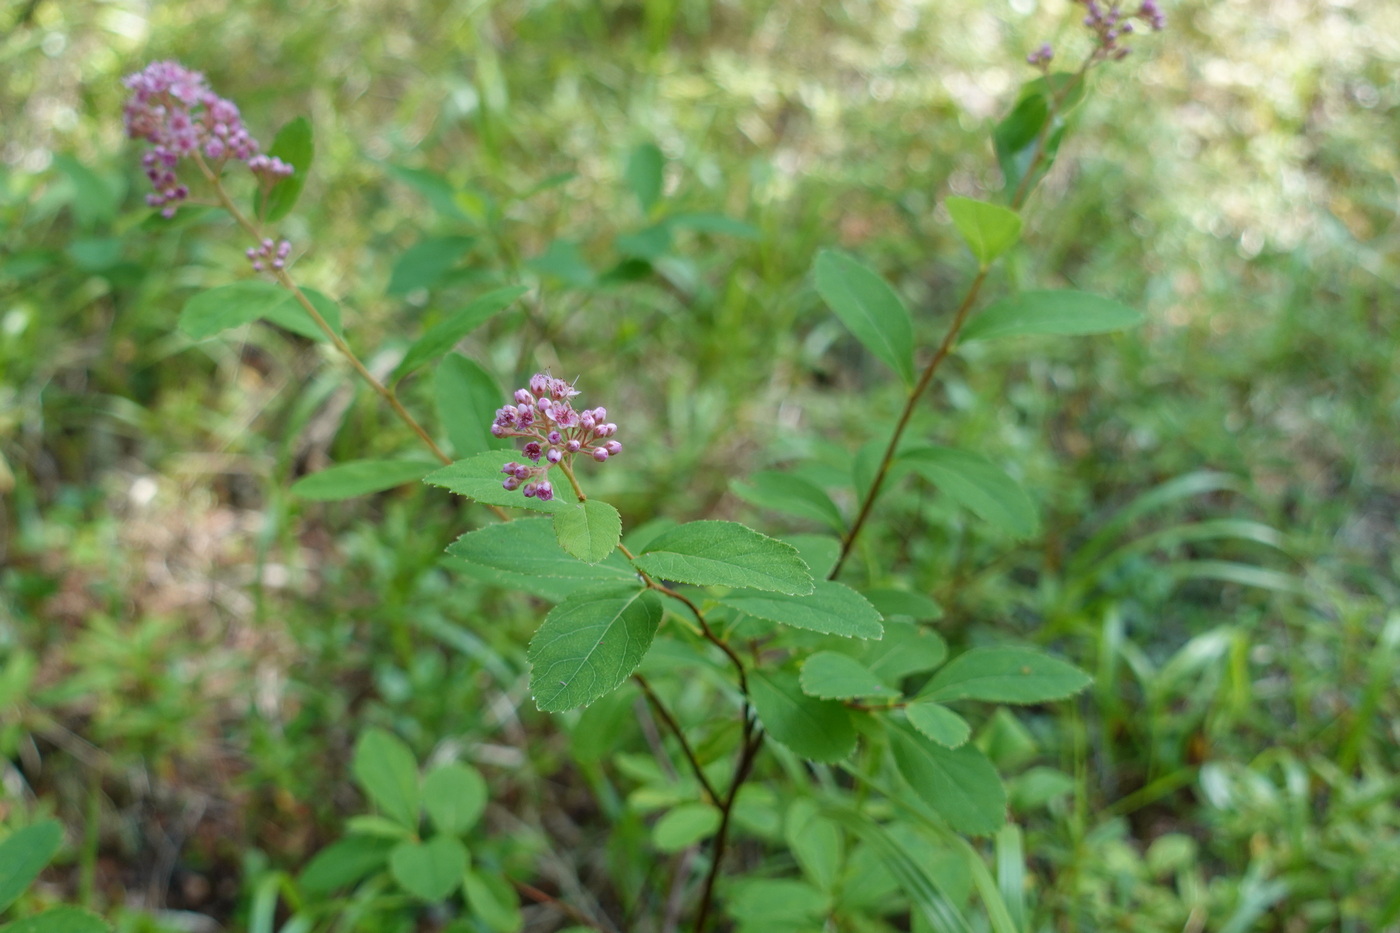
[(818, 552), (893, 602), (293, 145), (426, 262), (869, 308), (816, 842), (1005, 675), (492, 900), (360, 478), (590, 643), (346, 861), (386, 770), (988, 229), (960, 784), (795, 495), (454, 795), (818, 730), (685, 825), (23, 855), (708, 553), (467, 397), (1015, 137), (831, 608), (480, 478), (939, 723), (906, 649), (529, 546), (1053, 311), (829, 675), (978, 484), (444, 335), (645, 168), (588, 530), (59, 920), (218, 309), (430, 870)]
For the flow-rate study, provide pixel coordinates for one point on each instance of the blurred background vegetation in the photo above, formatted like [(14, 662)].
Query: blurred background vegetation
[(187, 652)]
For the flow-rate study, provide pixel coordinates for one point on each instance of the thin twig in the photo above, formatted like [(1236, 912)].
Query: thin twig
[(753, 740), (679, 733), (569, 910)]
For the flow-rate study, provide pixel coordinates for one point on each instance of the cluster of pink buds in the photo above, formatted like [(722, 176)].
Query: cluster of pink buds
[(1110, 23), (269, 254), (556, 432), (174, 110)]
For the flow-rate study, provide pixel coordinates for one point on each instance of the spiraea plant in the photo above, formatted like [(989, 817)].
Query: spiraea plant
[(816, 717)]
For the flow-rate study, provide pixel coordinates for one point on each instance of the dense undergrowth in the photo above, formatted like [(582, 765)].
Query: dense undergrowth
[(188, 653)]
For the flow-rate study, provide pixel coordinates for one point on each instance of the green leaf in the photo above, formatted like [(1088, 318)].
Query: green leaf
[(714, 224), (1015, 137), (1054, 311), (649, 244), (293, 145), (529, 546), (454, 795), (869, 308), (480, 478), (434, 188), (988, 229), (818, 552), (23, 855), (960, 784), (776, 904), (94, 201), (430, 870), (588, 530), (795, 495), (444, 335), (939, 723), (831, 608), (59, 920), (977, 484), (290, 315), (685, 825), (818, 730), (645, 170), (467, 398), (1005, 675), (830, 675), (218, 309), (726, 554), (359, 478), (906, 649), (591, 643), (492, 900), (345, 862), (368, 824), (387, 771), (816, 842), (563, 260), (893, 602), (425, 263)]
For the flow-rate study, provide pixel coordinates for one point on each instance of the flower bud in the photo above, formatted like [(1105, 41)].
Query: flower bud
[(614, 447), (599, 453)]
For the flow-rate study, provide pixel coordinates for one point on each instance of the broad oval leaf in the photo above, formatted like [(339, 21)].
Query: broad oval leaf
[(386, 770), (360, 478), (493, 901), (443, 336), (1052, 311), (869, 308), (431, 870), (528, 546), (588, 530), (23, 855), (345, 862), (830, 675), (977, 484), (480, 478), (684, 826), (894, 602), (818, 730), (1005, 675), (589, 644), (62, 919), (294, 145), (988, 229), (218, 309), (816, 842), (467, 397), (454, 795), (424, 263), (939, 723), (960, 784), (792, 494), (709, 553), (906, 649), (831, 608)]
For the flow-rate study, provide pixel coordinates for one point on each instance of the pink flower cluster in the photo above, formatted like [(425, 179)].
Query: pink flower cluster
[(544, 414), (269, 254), (174, 110), (1109, 23)]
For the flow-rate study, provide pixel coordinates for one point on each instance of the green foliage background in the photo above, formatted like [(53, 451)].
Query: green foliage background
[(186, 647)]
